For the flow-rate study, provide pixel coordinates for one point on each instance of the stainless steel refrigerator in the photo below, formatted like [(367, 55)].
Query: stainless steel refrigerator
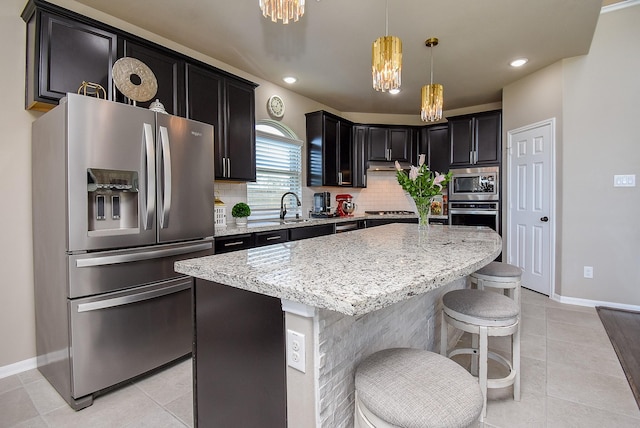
[(119, 194)]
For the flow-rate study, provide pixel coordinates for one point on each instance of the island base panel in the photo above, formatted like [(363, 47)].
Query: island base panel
[(239, 358)]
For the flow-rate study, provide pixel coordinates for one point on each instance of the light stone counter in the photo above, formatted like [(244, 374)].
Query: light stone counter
[(357, 272)]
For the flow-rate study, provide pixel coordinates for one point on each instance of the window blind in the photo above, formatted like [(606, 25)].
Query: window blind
[(278, 170)]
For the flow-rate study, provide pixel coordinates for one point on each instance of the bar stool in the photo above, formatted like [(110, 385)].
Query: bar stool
[(499, 275), (484, 313), (403, 387)]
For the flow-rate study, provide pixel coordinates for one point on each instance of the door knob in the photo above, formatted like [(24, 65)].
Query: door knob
[(544, 219)]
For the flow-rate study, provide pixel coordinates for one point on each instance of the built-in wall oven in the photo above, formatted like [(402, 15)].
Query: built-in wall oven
[(475, 213), (474, 197)]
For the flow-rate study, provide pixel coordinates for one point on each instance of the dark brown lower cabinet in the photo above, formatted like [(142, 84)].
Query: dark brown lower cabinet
[(307, 232), (239, 358), (373, 222)]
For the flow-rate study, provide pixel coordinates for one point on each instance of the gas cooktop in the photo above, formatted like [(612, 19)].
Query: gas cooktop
[(396, 212)]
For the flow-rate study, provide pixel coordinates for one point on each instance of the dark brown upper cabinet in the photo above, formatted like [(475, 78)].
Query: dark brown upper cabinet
[(434, 144), (329, 150), (229, 105), (65, 48), (360, 155), (168, 70), (391, 143), (476, 139), (61, 54)]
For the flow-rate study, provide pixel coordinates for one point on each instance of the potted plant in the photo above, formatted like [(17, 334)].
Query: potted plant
[(240, 212)]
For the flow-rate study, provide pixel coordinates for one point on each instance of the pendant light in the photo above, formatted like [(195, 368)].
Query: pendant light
[(282, 9), (432, 94), (386, 60)]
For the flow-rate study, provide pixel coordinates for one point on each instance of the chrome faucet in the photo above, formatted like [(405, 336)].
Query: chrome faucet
[(283, 206)]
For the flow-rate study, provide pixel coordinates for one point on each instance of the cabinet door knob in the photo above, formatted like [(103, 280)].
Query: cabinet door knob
[(544, 219)]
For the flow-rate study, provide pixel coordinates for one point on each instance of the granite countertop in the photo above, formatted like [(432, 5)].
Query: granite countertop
[(354, 272), (267, 225)]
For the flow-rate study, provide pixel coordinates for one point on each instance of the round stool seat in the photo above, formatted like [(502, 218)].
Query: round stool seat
[(499, 269), (481, 307), (416, 388)]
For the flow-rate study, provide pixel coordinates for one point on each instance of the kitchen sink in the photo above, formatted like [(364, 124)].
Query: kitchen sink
[(295, 220)]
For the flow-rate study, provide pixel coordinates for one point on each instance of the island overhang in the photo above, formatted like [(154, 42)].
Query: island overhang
[(357, 272)]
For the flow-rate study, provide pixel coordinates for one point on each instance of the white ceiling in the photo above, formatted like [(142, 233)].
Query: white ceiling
[(329, 48)]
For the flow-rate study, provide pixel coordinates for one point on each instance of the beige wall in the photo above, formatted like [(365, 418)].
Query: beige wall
[(601, 112), (596, 101), (599, 228), (16, 286)]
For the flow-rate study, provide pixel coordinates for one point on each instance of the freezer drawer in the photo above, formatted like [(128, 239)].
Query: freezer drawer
[(117, 336), (106, 271)]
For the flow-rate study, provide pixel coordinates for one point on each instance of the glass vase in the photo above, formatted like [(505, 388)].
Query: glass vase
[(424, 212)]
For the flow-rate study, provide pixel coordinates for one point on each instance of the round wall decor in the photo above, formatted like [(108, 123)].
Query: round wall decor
[(275, 106), (144, 85)]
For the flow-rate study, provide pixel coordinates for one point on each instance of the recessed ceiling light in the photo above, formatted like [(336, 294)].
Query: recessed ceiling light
[(290, 79), (518, 62), (394, 91)]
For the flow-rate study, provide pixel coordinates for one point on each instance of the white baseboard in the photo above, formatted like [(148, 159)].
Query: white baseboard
[(594, 303), (19, 367)]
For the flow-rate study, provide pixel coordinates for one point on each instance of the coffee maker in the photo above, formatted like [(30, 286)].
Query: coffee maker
[(345, 205), (321, 204)]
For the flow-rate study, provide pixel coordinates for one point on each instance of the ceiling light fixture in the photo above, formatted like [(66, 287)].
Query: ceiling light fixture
[(386, 60), (432, 94), (518, 62), (282, 9), (289, 79), (394, 91)]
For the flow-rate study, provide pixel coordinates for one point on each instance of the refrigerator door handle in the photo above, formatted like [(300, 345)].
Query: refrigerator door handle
[(166, 170), (146, 255), (133, 298), (150, 156)]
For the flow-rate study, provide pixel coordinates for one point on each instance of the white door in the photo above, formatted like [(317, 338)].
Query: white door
[(530, 204)]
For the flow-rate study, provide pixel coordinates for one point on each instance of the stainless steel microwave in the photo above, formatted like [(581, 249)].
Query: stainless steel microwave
[(475, 184)]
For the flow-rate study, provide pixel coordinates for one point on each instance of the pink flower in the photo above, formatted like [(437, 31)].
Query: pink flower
[(398, 167), (439, 178), (414, 173), (421, 160)]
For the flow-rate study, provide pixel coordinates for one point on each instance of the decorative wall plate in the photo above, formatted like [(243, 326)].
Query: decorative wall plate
[(275, 106), (126, 68)]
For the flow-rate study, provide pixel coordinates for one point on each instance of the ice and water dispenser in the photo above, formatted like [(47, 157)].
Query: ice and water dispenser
[(112, 201)]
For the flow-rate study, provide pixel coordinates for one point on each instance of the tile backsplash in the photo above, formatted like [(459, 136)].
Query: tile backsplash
[(382, 193)]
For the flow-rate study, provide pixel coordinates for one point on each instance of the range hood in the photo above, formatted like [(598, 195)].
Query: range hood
[(386, 166)]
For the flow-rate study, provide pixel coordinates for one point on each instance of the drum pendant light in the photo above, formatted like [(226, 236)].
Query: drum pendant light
[(282, 9), (432, 94), (386, 60)]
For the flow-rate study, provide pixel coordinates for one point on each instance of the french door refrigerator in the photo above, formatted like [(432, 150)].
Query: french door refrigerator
[(119, 194)]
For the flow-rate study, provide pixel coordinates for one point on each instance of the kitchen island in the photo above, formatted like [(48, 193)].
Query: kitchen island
[(344, 296)]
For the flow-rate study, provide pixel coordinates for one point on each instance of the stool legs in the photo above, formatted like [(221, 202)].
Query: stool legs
[(484, 366), (444, 333), (474, 357), (515, 357)]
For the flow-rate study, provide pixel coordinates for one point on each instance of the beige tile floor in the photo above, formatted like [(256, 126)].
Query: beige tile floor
[(570, 378)]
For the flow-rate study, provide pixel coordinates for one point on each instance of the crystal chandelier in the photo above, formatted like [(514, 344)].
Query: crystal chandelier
[(432, 98), (386, 60), (282, 9)]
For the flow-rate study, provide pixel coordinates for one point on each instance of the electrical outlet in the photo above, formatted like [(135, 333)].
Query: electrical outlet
[(588, 271), (296, 356)]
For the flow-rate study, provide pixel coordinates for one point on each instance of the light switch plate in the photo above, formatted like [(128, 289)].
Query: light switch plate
[(628, 180)]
